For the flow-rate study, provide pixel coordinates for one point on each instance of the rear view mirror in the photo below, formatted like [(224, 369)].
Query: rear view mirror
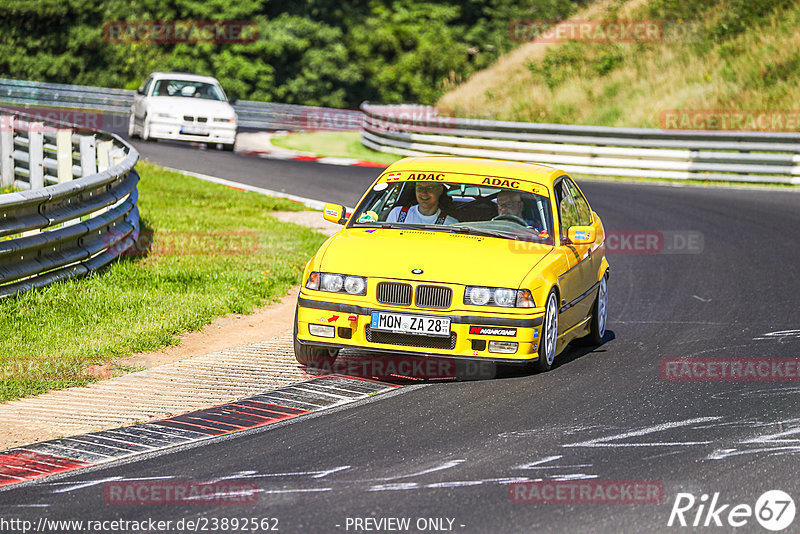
[(581, 235), (334, 213)]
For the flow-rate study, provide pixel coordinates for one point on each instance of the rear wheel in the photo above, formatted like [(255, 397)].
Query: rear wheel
[(599, 314), (313, 356), (227, 147), (549, 337), (146, 129)]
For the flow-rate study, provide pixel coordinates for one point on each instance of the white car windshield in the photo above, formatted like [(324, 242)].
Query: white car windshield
[(457, 207), (188, 89)]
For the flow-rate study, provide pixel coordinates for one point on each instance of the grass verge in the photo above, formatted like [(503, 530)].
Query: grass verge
[(206, 250), (337, 144)]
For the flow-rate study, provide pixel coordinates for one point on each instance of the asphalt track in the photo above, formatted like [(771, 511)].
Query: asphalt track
[(449, 449)]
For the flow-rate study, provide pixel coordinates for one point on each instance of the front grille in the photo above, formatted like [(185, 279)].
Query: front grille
[(394, 293), (434, 297), (408, 340)]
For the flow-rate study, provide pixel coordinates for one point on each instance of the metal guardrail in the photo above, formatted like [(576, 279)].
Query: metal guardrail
[(88, 216), (251, 114), (630, 152)]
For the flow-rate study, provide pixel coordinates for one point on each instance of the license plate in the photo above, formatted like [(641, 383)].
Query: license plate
[(410, 324), (194, 130)]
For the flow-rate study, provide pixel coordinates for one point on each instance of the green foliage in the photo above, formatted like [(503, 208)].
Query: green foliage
[(317, 52)]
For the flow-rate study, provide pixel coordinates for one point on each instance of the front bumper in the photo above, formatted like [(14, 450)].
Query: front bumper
[(213, 132), (470, 334)]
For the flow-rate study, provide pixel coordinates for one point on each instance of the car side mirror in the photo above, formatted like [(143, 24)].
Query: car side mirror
[(140, 91), (335, 213), (233, 100), (581, 235)]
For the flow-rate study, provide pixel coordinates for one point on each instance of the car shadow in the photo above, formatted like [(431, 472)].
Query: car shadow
[(407, 370)]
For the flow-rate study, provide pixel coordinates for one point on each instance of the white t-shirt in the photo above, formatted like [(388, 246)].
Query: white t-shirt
[(415, 217)]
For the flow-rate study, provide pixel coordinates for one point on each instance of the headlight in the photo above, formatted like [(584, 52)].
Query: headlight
[(498, 296), (478, 295), (165, 115), (331, 282), (218, 119), (355, 285), (337, 283)]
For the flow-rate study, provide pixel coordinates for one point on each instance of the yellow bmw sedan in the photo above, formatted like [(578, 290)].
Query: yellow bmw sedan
[(458, 257)]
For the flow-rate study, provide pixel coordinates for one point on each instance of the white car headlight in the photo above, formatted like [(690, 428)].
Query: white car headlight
[(163, 115), (505, 297)]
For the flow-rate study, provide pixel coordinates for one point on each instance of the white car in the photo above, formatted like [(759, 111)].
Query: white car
[(187, 107)]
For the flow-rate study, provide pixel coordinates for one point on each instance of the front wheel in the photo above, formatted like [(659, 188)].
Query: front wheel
[(132, 126), (312, 356), (599, 314), (549, 338)]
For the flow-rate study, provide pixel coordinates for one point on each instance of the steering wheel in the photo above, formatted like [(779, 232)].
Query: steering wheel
[(511, 218)]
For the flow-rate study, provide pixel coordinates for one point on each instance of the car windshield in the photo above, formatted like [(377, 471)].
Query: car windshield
[(457, 207), (188, 89)]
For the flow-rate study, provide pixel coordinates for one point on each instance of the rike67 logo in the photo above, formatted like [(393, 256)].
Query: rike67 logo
[(774, 510)]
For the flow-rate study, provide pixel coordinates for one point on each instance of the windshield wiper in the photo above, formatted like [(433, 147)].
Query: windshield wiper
[(479, 231)]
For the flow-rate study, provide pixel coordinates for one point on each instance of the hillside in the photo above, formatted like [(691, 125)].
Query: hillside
[(713, 55)]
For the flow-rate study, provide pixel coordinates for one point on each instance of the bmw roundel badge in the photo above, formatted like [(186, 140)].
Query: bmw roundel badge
[(416, 271)]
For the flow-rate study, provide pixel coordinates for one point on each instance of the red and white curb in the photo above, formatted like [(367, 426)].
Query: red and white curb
[(325, 160), (46, 458)]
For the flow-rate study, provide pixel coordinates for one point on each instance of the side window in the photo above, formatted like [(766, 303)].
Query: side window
[(584, 213), (567, 212)]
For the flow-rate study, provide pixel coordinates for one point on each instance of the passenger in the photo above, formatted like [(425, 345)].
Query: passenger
[(427, 210)]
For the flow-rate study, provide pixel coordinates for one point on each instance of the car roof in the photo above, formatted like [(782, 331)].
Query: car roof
[(184, 76), (530, 172)]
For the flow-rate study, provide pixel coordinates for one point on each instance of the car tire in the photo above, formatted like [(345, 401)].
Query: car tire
[(319, 357), (549, 338), (146, 129), (227, 147), (132, 127), (597, 329)]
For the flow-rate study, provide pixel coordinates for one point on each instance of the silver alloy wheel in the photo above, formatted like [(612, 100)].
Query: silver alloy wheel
[(131, 126), (551, 329), (602, 306)]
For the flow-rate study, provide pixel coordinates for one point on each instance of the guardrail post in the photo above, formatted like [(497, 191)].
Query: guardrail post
[(36, 154), (88, 155), (6, 150), (64, 155), (103, 156)]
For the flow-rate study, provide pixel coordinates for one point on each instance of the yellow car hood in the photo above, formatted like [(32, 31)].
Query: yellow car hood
[(443, 257)]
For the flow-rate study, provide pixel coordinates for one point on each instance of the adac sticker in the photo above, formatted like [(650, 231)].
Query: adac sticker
[(331, 212), (421, 176), (501, 182), (580, 234), (393, 177), (492, 331)]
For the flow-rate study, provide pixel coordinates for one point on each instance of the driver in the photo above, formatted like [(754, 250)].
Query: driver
[(427, 209), (509, 203)]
